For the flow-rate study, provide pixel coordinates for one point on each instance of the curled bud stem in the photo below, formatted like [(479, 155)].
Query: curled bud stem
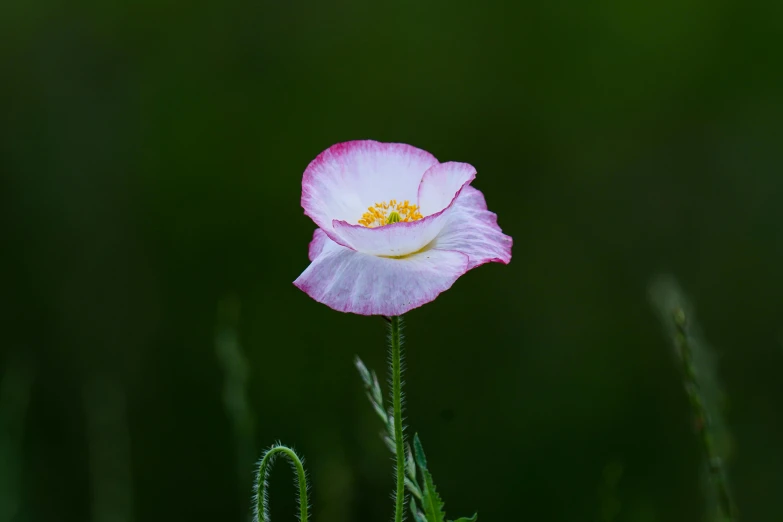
[(262, 497)]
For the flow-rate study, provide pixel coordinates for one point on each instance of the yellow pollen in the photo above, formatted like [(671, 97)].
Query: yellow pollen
[(392, 211)]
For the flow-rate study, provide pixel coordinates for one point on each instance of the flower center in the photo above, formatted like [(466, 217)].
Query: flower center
[(390, 212)]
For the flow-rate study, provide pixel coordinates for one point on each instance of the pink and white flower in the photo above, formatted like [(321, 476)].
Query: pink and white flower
[(396, 227)]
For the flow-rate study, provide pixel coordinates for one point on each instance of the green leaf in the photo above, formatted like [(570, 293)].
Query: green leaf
[(421, 460), (413, 488), (376, 389), (378, 407), (410, 464), (432, 503), (418, 516), (363, 371), (474, 518)]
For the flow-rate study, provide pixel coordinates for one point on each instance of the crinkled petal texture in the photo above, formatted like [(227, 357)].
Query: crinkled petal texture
[(465, 236), (344, 180), (474, 231), (351, 281)]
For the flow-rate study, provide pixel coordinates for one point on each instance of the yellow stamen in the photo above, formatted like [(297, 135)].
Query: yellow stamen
[(389, 212)]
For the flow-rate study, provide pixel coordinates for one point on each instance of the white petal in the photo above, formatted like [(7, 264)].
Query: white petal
[(317, 244), (439, 189), (440, 185), (351, 281), (396, 239), (348, 177), (474, 231)]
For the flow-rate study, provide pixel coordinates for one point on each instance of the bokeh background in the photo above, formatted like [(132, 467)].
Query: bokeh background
[(153, 344)]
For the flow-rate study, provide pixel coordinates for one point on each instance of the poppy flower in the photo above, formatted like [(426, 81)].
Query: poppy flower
[(395, 227)]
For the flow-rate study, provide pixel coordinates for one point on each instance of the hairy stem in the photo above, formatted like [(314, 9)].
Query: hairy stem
[(375, 396), (395, 339), (262, 500), (701, 418)]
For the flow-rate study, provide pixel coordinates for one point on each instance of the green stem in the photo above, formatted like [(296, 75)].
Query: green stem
[(395, 340), (262, 500), (702, 419)]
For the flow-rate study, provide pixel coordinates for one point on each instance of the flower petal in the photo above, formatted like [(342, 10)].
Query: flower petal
[(348, 177), (440, 186), (350, 281), (396, 239), (317, 244), (441, 183), (474, 231)]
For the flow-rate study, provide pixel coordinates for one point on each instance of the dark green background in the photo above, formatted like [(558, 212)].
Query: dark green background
[(152, 155)]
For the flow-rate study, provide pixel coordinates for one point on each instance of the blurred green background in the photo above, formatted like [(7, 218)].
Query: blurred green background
[(153, 345)]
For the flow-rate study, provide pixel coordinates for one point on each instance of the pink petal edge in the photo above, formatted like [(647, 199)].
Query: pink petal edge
[(441, 185), (474, 231), (458, 235), (350, 281), (317, 244), (332, 182)]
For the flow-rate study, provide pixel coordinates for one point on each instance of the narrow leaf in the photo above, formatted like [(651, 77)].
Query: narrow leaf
[(377, 407), (413, 488), (390, 444), (376, 389), (418, 516), (363, 371), (421, 460), (410, 464), (432, 503)]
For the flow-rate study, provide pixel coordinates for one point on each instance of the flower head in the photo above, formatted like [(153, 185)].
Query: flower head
[(395, 227)]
